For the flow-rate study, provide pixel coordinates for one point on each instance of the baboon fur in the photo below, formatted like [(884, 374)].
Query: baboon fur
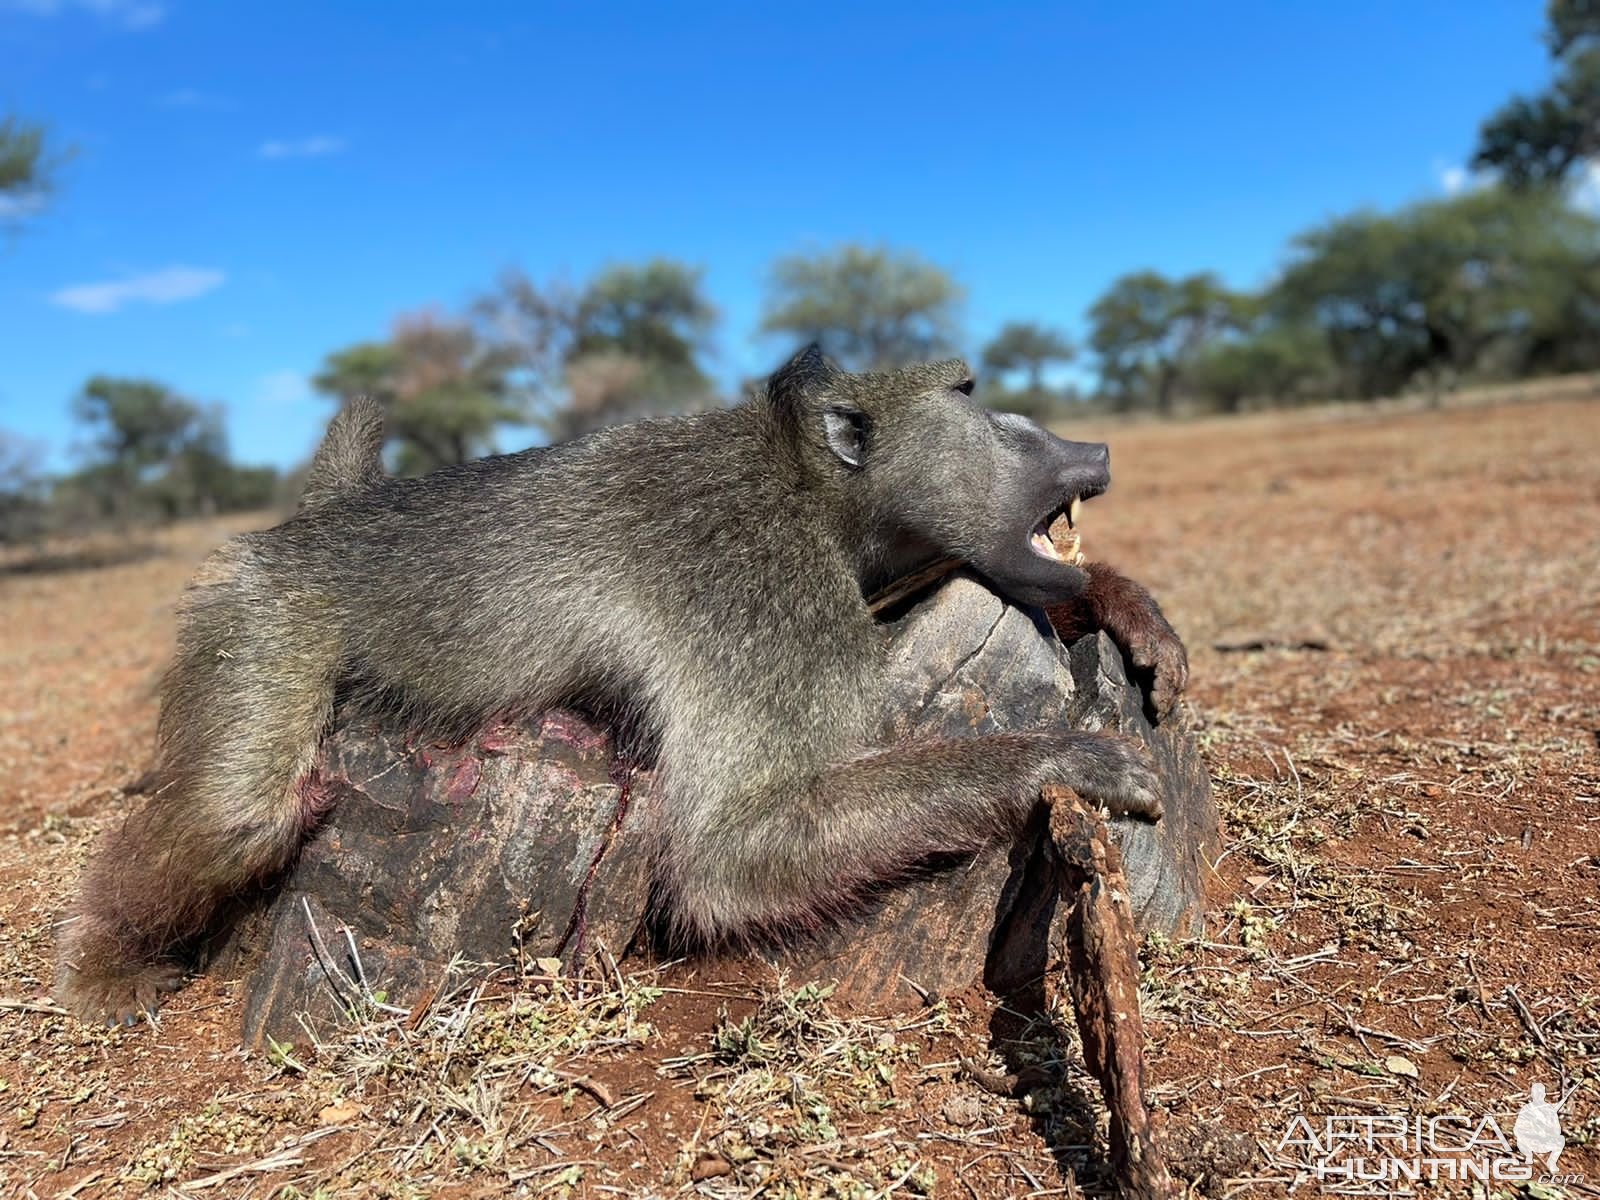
[(699, 580)]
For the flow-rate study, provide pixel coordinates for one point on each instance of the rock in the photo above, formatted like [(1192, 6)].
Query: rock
[(483, 852), (964, 1110)]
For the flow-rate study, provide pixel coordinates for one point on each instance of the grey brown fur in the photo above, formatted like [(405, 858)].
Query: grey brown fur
[(700, 580)]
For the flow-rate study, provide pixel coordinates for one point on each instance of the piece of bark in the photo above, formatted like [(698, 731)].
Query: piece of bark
[(1103, 977), (488, 851)]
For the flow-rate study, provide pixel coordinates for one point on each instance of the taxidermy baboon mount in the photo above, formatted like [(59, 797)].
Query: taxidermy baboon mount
[(699, 582)]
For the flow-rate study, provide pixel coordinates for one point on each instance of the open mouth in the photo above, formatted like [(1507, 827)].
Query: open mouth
[(1056, 535)]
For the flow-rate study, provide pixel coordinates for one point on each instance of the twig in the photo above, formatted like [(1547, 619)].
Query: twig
[(1526, 1017), (39, 1006), (909, 585)]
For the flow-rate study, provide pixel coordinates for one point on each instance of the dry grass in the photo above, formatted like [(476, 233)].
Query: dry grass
[(1404, 920)]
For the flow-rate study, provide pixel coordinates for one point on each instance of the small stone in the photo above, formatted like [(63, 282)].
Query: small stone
[(710, 1166), (964, 1110)]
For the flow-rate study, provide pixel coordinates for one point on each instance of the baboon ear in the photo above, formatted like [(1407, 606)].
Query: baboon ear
[(845, 429), (800, 375)]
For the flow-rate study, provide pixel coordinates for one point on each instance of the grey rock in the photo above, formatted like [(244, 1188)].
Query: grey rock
[(483, 852)]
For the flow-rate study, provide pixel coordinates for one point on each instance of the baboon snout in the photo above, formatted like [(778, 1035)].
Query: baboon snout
[(1082, 468)]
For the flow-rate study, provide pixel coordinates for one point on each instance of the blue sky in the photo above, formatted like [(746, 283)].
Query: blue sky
[(255, 185)]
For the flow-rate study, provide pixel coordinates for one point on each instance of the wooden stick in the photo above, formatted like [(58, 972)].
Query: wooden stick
[(1103, 975), (909, 585)]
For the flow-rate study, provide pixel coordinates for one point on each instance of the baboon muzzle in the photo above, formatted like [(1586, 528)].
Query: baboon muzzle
[(1049, 478)]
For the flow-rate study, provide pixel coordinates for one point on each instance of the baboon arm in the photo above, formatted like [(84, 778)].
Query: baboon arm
[(1130, 614), (780, 857)]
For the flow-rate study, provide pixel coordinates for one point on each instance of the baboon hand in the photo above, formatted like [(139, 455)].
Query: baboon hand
[(1159, 651), (1113, 772), (1137, 624)]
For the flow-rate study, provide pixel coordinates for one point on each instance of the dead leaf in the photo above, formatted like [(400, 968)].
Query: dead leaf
[(1401, 1066)]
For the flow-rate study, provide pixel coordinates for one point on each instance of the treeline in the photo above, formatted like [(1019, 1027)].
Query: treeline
[(1501, 281), (151, 455)]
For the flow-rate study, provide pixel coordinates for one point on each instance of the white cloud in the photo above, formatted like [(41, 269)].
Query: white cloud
[(193, 98), (282, 389), (311, 147), (166, 286), (130, 14), (1454, 179), (19, 206)]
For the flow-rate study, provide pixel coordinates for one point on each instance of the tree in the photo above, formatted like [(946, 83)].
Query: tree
[(655, 313), (872, 308), (136, 424), (1027, 347), (1147, 330), (26, 170), (626, 345), (157, 453), (445, 389), (1538, 140), (364, 369), (22, 488), (1274, 362), (1439, 288)]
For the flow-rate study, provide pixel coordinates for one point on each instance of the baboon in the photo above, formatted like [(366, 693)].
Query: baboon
[(699, 579)]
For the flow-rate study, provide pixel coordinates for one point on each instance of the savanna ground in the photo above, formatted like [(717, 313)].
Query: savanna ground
[(1404, 921)]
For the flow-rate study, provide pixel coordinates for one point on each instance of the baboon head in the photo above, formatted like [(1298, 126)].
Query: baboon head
[(924, 472)]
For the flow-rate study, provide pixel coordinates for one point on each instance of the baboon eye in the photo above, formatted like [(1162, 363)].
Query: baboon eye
[(846, 432), (966, 385)]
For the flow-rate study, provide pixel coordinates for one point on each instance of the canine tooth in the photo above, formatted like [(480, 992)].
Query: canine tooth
[(1073, 510)]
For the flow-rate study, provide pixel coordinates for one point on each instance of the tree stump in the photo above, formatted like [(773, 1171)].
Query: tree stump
[(528, 842)]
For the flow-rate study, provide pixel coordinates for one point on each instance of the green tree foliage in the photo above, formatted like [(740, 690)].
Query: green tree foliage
[(156, 453), (870, 307), (1029, 348), (1538, 140), (25, 168), (1448, 287), (627, 345), (1271, 363), (1148, 330), (655, 313), (445, 389)]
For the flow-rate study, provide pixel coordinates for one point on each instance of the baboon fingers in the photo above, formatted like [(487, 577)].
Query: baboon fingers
[(1168, 663)]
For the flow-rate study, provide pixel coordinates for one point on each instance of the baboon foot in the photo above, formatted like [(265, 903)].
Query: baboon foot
[(116, 995)]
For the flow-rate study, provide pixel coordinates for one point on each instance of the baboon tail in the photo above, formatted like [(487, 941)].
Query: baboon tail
[(237, 791), (350, 457)]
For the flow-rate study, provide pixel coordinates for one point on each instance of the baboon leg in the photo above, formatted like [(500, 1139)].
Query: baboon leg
[(243, 708), (775, 858)]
